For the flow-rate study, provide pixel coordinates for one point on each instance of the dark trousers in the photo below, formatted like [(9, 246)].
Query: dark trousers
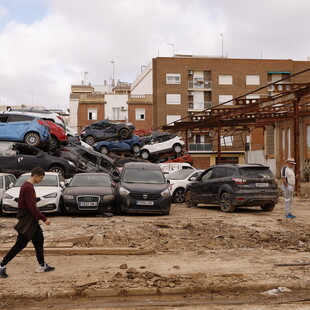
[(21, 243)]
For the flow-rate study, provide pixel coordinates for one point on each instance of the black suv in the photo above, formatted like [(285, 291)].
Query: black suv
[(104, 130), (233, 185), (18, 158)]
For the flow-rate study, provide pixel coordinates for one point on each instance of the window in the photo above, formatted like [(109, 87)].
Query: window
[(199, 100), (252, 79), (288, 142), (225, 79), (92, 114), (20, 118), (116, 113), (227, 141), (140, 114), (173, 98), (173, 78), (226, 98), (172, 118)]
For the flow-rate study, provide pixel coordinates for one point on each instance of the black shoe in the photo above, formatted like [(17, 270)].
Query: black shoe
[(3, 273), (45, 268)]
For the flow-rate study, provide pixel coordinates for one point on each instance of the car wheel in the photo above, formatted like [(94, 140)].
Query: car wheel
[(57, 169), (32, 138), (90, 140), (104, 150), (268, 207), (225, 203), (136, 148), (53, 145), (179, 195), (60, 207), (189, 200), (145, 154), (177, 148), (124, 133)]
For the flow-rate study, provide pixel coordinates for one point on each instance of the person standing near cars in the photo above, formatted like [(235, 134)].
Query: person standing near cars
[(28, 227), (288, 185)]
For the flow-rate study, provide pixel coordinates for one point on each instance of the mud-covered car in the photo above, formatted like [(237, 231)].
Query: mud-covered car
[(104, 130), (234, 185), (88, 160)]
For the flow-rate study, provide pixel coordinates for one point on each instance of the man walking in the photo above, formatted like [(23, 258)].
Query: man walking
[(288, 184), (28, 227)]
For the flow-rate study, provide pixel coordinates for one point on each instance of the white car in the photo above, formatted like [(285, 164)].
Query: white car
[(156, 147), (44, 114), (49, 193), (168, 168), (7, 181), (178, 181)]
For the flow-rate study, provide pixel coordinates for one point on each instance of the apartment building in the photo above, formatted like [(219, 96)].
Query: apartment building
[(186, 85)]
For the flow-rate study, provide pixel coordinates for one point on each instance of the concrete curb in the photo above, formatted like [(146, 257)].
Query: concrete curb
[(84, 251)]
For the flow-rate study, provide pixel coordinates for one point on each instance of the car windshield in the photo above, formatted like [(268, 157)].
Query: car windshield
[(93, 180), (48, 180), (180, 174), (256, 172), (143, 176)]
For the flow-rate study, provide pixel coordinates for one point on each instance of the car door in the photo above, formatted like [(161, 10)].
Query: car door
[(18, 126), (8, 159), (3, 127), (215, 182), (28, 157), (202, 187), (109, 131)]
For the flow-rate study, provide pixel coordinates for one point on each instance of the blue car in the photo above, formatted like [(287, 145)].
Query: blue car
[(133, 144), (24, 128)]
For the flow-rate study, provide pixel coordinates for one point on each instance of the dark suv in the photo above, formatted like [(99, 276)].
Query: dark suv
[(104, 130), (143, 189), (234, 185)]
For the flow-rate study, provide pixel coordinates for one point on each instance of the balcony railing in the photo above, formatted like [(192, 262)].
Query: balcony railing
[(199, 105), (200, 84), (200, 147)]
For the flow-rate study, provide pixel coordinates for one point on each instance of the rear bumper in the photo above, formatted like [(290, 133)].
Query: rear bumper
[(255, 199)]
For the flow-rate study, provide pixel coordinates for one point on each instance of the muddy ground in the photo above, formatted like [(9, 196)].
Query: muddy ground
[(198, 258)]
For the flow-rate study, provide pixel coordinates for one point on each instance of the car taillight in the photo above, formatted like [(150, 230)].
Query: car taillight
[(239, 181), (42, 123)]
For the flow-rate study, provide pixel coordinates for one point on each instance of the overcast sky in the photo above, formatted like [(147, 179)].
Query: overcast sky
[(47, 45)]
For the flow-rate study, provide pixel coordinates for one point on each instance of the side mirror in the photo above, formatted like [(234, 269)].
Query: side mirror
[(116, 173), (40, 154), (62, 184), (10, 185), (168, 181), (116, 179), (193, 179)]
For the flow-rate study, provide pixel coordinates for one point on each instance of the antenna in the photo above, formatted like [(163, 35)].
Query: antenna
[(113, 63), (85, 77)]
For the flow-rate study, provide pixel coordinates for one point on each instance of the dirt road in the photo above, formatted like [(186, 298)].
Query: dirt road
[(195, 258)]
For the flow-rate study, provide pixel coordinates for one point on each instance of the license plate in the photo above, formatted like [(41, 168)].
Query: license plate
[(145, 203), (88, 204), (262, 184)]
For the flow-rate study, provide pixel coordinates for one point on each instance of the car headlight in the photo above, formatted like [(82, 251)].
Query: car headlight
[(7, 196), (123, 191), (71, 163), (165, 193), (108, 197), (51, 195), (68, 197), (83, 132)]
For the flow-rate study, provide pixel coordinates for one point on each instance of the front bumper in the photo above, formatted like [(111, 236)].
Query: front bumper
[(72, 206), (128, 204)]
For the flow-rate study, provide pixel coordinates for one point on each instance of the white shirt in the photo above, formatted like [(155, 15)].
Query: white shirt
[(290, 176)]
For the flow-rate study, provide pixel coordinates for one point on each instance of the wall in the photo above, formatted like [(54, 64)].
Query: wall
[(73, 120), (143, 84), (116, 101)]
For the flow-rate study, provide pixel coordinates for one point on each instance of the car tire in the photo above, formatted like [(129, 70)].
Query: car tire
[(53, 145), (90, 140), (60, 207), (124, 133), (57, 169), (189, 200), (268, 207), (225, 203), (179, 195), (136, 149), (145, 154), (104, 150), (177, 148), (32, 138)]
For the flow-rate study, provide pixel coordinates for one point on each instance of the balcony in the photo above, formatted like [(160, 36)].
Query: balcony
[(195, 106), (200, 84), (200, 147)]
